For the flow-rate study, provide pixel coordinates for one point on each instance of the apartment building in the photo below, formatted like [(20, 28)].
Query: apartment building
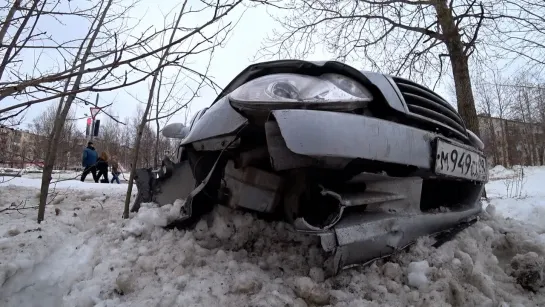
[(19, 148), (510, 142)]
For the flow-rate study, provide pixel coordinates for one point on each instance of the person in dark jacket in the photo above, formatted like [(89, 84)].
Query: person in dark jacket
[(102, 167), (115, 170), (88, 162)]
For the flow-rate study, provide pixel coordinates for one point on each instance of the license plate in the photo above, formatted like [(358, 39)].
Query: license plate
[(459, 162)]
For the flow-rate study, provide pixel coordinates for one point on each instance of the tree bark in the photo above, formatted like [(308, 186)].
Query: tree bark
[(8, 20), (136, 151), (460, 66), (157, 111), (531, 127), (464, 92)]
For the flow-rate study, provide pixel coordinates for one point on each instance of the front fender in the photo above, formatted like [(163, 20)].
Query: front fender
[(219, 120)]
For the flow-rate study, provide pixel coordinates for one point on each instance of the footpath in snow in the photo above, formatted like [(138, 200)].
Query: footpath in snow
[(84, 254)]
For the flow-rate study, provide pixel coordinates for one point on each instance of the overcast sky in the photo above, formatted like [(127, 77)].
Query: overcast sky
[(243, 44)]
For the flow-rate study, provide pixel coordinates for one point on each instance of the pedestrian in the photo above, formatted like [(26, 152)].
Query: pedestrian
[(88, 162), (102, 167), (115, 170)]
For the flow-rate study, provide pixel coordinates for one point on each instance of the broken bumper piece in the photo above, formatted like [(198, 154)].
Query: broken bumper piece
[(359, 238)]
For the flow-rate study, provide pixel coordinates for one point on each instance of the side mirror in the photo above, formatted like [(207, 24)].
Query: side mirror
[(175, 131)]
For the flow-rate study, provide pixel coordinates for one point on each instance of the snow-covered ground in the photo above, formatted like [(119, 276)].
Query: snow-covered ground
[(84, 254), (57, 175), (520, 196)]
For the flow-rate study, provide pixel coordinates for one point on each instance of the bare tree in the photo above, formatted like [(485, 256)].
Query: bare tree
[(111, 64), (514, 109), (70, 141), (414, 38), (197, 43), (488, 133), (65, 104), (526, 110), (108, 57), (496, 102), (24, 36)]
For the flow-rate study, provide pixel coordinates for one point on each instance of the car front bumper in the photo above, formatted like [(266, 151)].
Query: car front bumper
[(343, 135), (360, 237)]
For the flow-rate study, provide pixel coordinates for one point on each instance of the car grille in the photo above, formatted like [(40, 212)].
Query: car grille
[(427, 106)]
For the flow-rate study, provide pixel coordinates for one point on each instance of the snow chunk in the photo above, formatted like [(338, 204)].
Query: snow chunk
[(221, 228), (528, 270), (247, 282), (417, 274), (306, 289), (317, 274), (392, 271), (151, 216)]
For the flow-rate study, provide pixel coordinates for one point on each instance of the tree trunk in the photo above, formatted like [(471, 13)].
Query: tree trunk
[(65, 107), (505, 144), (49, 162), (464, 93), (141, 127), (157, 112), (531, 127), (459, 63), (9, 18), (144, 120), (156, 154), (493, 140)]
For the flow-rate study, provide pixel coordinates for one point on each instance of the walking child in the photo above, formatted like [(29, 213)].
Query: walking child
[(115, 170)]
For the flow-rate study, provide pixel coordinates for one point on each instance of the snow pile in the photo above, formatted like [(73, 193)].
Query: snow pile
[(234, 259), (500, 172), (530, 206), (88, 256), (11, 170), (73, 185), (417, 274), (528, 270), (27, 169)]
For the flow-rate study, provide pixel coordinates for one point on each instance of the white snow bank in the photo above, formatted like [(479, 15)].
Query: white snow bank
[(88, 256), (499, 172), (38, 262), (529, 204), (28, 169), (63, 184), (234, 259)]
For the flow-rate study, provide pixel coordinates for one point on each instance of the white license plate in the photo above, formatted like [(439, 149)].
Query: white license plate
[(456, 161)]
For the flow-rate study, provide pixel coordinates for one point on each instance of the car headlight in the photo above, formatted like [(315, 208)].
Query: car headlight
[(328, 91)]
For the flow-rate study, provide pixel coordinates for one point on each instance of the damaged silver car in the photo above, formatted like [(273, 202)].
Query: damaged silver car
[(366, 161)]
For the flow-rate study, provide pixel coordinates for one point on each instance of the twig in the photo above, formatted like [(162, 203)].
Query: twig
[(21, 206)]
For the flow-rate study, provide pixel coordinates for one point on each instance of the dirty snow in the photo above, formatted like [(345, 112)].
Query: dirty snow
[(84, 254)]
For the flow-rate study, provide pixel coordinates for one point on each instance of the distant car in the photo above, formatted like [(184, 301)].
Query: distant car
[(369, 162)]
